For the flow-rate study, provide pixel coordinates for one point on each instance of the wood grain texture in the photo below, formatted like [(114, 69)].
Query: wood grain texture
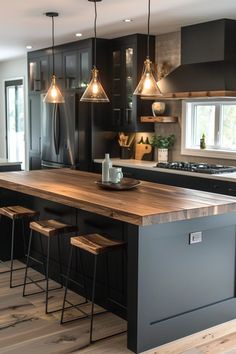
[(95, 243), (149, 203), (141, 150), (25, 328), (159, 119), (17, 211), (51, 227)]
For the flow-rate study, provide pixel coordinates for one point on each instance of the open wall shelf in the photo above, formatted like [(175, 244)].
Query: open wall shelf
[(159, 119)]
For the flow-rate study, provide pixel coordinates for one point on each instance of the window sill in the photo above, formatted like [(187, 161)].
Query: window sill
[(223, 154)]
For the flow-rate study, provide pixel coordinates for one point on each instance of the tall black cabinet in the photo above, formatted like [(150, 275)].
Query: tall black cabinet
[(73, 63), (127, 55)]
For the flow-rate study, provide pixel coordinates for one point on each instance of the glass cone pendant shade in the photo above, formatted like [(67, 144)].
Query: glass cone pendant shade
[(147, 85), (54, 94), (94, 92)]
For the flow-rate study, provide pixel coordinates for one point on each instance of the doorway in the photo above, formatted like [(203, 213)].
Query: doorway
[(15, 121)]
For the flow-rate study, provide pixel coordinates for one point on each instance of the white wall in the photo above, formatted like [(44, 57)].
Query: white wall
[(11, 69)]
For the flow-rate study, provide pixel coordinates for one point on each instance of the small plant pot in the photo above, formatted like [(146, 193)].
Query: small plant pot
[(162, 155)]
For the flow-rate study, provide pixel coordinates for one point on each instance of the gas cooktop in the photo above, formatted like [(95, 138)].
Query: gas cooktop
[(196, 167)]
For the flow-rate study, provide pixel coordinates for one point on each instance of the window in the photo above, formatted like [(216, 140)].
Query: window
[(217, 121), (15, 121)]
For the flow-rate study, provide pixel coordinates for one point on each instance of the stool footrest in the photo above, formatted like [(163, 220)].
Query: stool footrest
[(77, 308)]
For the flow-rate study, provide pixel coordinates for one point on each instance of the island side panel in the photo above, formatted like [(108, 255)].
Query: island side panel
[(182, 288)]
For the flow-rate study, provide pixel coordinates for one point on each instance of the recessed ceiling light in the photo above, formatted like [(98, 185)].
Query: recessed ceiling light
[(29, 47), (78, 34), (127, 20)]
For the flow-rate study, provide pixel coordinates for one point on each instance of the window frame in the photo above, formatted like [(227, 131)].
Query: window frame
[(186, 148)]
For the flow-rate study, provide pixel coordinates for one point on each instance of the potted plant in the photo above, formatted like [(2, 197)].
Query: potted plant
[(161, 145)]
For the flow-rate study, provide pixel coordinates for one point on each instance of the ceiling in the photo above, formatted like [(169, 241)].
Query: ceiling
[(24, 23)]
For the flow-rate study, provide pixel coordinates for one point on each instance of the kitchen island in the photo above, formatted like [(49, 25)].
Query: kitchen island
[(181, 248)]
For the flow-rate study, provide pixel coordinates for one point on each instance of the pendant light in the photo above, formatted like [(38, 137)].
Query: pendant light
[(95, 92), (147, 85), (54, 94)]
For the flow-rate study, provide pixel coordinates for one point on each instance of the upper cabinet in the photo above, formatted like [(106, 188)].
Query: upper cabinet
[(73, 63), (77, 64), (38, 70), (128, 54)]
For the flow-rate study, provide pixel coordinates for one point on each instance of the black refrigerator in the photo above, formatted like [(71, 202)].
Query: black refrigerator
[(65, 133)]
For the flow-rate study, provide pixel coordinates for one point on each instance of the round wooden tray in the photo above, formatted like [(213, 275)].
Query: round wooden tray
[(125, 184)]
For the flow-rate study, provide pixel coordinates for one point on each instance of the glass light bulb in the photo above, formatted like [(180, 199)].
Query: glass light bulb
[(54, 94), (95, 88), (147, 85), (147, 82), (94, 91)]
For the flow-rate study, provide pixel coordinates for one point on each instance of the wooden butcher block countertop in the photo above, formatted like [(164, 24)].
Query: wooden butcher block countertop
[(148, 204)]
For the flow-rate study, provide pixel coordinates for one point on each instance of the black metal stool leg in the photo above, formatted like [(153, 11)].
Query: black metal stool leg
[(47, 274), (42, 254), (27, 261), (66, 285), (23, 235), (83, 275), (93, 297), (59, 255), (12, 250)]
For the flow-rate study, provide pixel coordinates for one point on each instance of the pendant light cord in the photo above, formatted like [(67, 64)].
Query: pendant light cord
[(53, 59), (95, 34), (149, 7)]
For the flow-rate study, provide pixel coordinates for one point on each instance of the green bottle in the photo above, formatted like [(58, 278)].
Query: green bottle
[(203, 142)]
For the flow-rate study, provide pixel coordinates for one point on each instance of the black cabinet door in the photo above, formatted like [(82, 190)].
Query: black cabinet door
[(128, 55), (35, 131), (39, 73), (77, 66), (71, 72)]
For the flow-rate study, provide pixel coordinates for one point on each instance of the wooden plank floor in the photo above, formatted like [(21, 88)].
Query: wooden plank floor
[(25, 329)]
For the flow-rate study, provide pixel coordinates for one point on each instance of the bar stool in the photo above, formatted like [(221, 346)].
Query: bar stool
[(96, 245), (16, 213), (49, 228)]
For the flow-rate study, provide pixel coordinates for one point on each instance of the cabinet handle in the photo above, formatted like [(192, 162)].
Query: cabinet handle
[(40, 145), (37, 85)]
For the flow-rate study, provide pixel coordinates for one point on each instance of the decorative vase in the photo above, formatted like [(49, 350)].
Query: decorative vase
[(158, 108), (162, 155)]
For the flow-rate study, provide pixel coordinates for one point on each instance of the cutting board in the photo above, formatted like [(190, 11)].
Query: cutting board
[(141, 150)]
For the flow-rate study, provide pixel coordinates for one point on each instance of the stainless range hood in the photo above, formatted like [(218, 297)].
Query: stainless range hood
[(208, 62)]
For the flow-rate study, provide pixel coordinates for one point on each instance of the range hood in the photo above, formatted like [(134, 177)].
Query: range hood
[(208, 62)]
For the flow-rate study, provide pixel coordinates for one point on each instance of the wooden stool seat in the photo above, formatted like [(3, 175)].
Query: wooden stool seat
[(95, 243), (17, 212), (51, 227)]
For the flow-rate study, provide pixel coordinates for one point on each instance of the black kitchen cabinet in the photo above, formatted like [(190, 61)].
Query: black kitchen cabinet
[(34, 132), (128, 54), (77, 66), (38, 70)]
